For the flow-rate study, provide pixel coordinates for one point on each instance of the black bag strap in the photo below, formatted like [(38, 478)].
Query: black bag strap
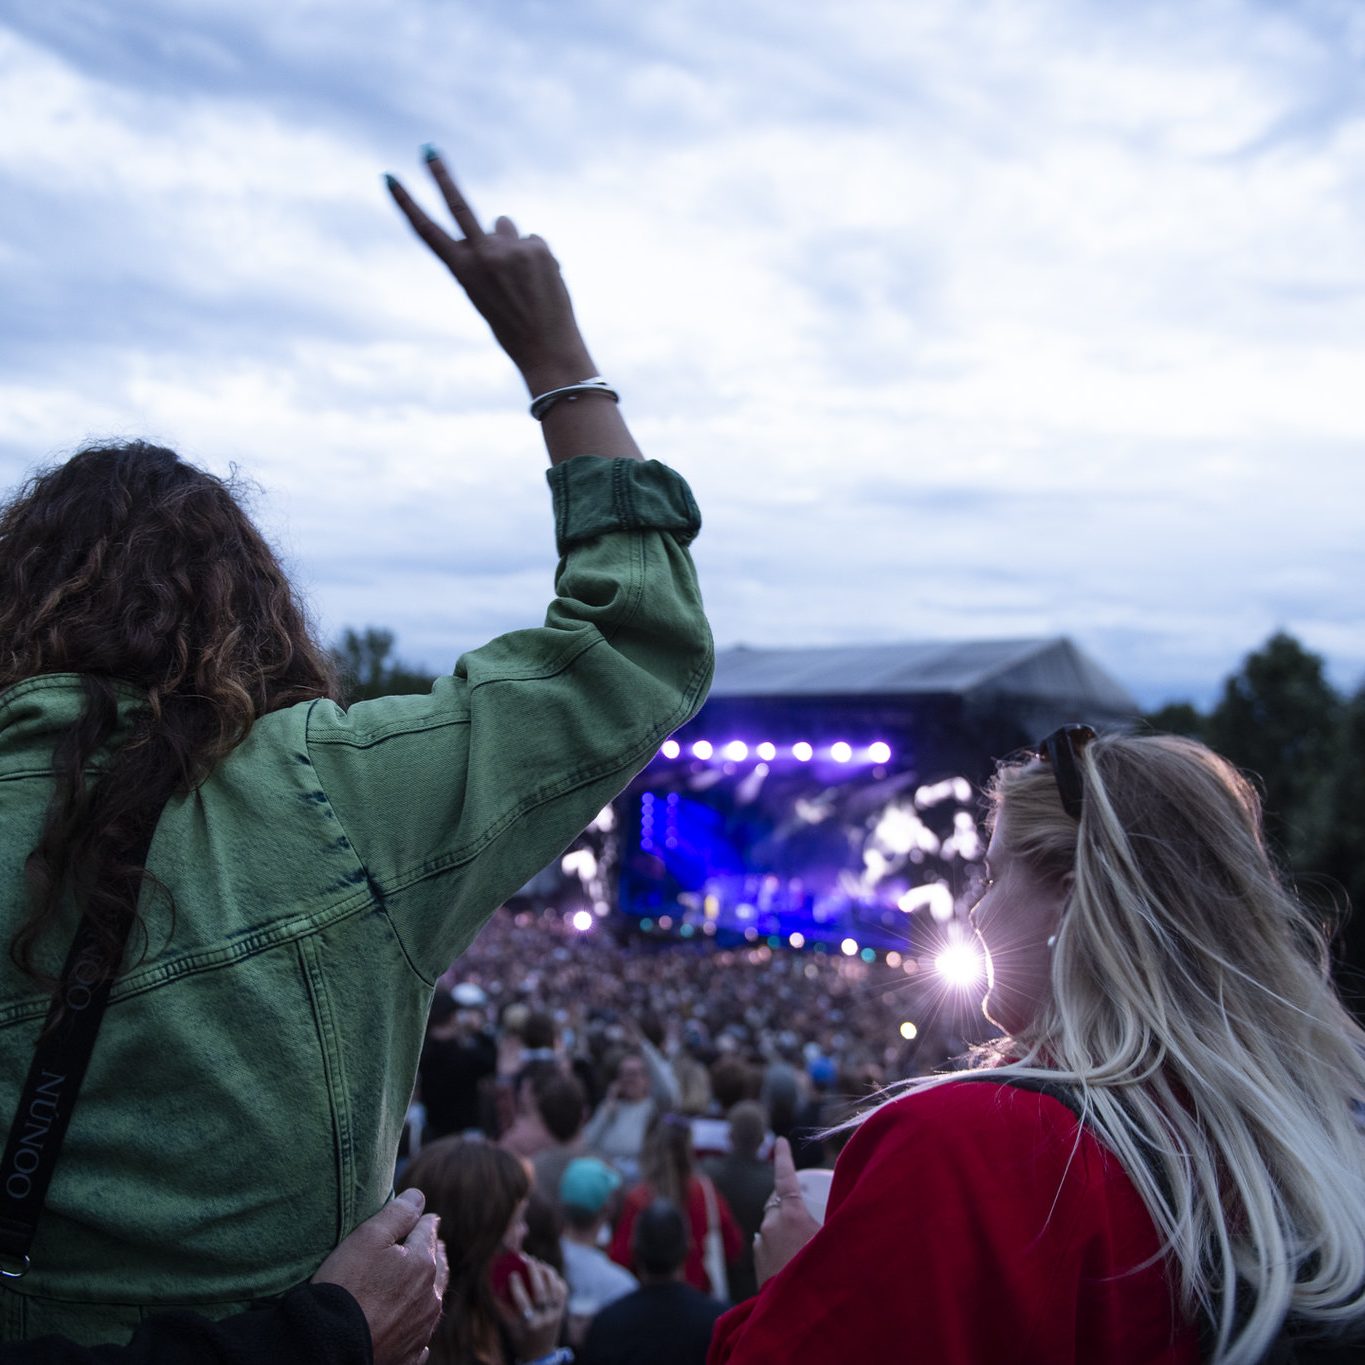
[(54, 1079)]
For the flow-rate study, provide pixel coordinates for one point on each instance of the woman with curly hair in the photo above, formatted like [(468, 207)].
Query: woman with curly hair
[(310, 871), (1161, 1162)]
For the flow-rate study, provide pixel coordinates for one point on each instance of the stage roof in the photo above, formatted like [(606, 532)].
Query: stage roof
[(1051, 672)]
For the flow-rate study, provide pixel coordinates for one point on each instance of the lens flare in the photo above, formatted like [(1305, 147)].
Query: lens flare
[(582, 920), (959, 964)]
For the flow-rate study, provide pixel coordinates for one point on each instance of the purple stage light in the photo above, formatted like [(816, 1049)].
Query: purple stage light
[(737, 750), (880, 752), (670, 748), (802, 752), (702, 749), (840, 752), (767, 752)]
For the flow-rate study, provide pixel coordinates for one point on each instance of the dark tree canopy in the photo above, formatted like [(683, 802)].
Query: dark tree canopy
[(368, 669)]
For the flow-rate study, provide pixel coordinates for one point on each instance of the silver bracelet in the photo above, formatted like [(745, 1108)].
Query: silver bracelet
[(541, 405)]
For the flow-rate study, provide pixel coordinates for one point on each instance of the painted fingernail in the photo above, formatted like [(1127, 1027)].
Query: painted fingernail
[(429, 152)]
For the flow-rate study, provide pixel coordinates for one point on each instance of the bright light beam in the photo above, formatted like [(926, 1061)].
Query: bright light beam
[(959, 964)]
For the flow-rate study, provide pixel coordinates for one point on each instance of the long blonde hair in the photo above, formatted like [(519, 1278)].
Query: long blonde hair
[(1193, 1017)]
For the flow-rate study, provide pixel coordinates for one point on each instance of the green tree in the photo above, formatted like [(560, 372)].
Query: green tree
[(1279, 718), (1179, 718), (368, 669), (1341, 851)]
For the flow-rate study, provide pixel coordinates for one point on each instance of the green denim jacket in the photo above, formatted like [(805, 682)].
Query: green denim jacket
[(243, 1106)]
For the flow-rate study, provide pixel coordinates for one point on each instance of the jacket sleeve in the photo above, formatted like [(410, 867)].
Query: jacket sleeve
[(316, 1324), (453, 800)]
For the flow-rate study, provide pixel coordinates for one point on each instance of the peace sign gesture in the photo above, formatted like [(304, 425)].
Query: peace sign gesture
[(512, 280)]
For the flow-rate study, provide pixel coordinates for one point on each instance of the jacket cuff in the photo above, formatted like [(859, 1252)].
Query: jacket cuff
[(594, 496)]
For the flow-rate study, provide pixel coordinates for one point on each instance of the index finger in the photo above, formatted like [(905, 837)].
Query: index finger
[(785, 1182), (455, 200)]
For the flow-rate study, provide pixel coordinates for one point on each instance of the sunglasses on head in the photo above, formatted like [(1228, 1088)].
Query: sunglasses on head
[(1059, 751)]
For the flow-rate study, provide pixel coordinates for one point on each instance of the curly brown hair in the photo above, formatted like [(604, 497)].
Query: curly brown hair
[(127, 565)]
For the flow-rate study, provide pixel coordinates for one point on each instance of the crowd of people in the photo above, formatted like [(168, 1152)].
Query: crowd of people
[(630, 1079)]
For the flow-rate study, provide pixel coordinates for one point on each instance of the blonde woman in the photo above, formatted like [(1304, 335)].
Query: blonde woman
[(1160, 1162)]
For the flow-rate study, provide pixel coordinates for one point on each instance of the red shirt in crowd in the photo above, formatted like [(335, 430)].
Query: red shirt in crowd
[(694, 1268), (970, 1223)]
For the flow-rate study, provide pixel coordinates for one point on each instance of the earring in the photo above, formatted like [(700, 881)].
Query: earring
[(1051, 942)]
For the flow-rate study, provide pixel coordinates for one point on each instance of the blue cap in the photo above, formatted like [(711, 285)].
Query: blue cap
[(587, 1184), (822, 1071)]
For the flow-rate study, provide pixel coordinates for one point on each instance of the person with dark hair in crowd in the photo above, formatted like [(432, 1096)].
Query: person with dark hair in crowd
[(563, 1110), (586, 1192), (665, 1321), (527, 1134), (374, 1301), (1161, 1160), (270, 882), (745, 1182), (501, 1306), (668, 1171), (458, 1055)]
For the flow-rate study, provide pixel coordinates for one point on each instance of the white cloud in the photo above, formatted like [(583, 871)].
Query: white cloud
[(980, 320)]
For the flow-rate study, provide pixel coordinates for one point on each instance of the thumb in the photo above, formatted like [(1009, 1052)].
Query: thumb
[(395, 1220), (784, 1169)]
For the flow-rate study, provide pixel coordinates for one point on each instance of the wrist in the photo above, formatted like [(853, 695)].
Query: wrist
[(555, 371)]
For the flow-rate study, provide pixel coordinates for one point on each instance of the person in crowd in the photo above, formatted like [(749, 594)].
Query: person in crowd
[(668, 1172), (586, 1193), (1161, 1161), (374, 1301), (780, 1094), (616, 1132), (458, 1055), (665, 1321), (563, 1110), (810, 1137), (310, 869), (501, 1305), (527, 1134), (745, 1182), (544, 1229)]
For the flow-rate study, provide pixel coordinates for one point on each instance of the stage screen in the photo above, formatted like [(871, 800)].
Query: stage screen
[(829, 844)]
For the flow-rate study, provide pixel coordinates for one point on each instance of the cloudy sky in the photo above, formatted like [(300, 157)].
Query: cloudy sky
[(964, 319)]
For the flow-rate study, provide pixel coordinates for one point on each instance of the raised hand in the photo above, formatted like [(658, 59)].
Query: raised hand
[(536, 1312), (513, 281), (787, 1223)]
